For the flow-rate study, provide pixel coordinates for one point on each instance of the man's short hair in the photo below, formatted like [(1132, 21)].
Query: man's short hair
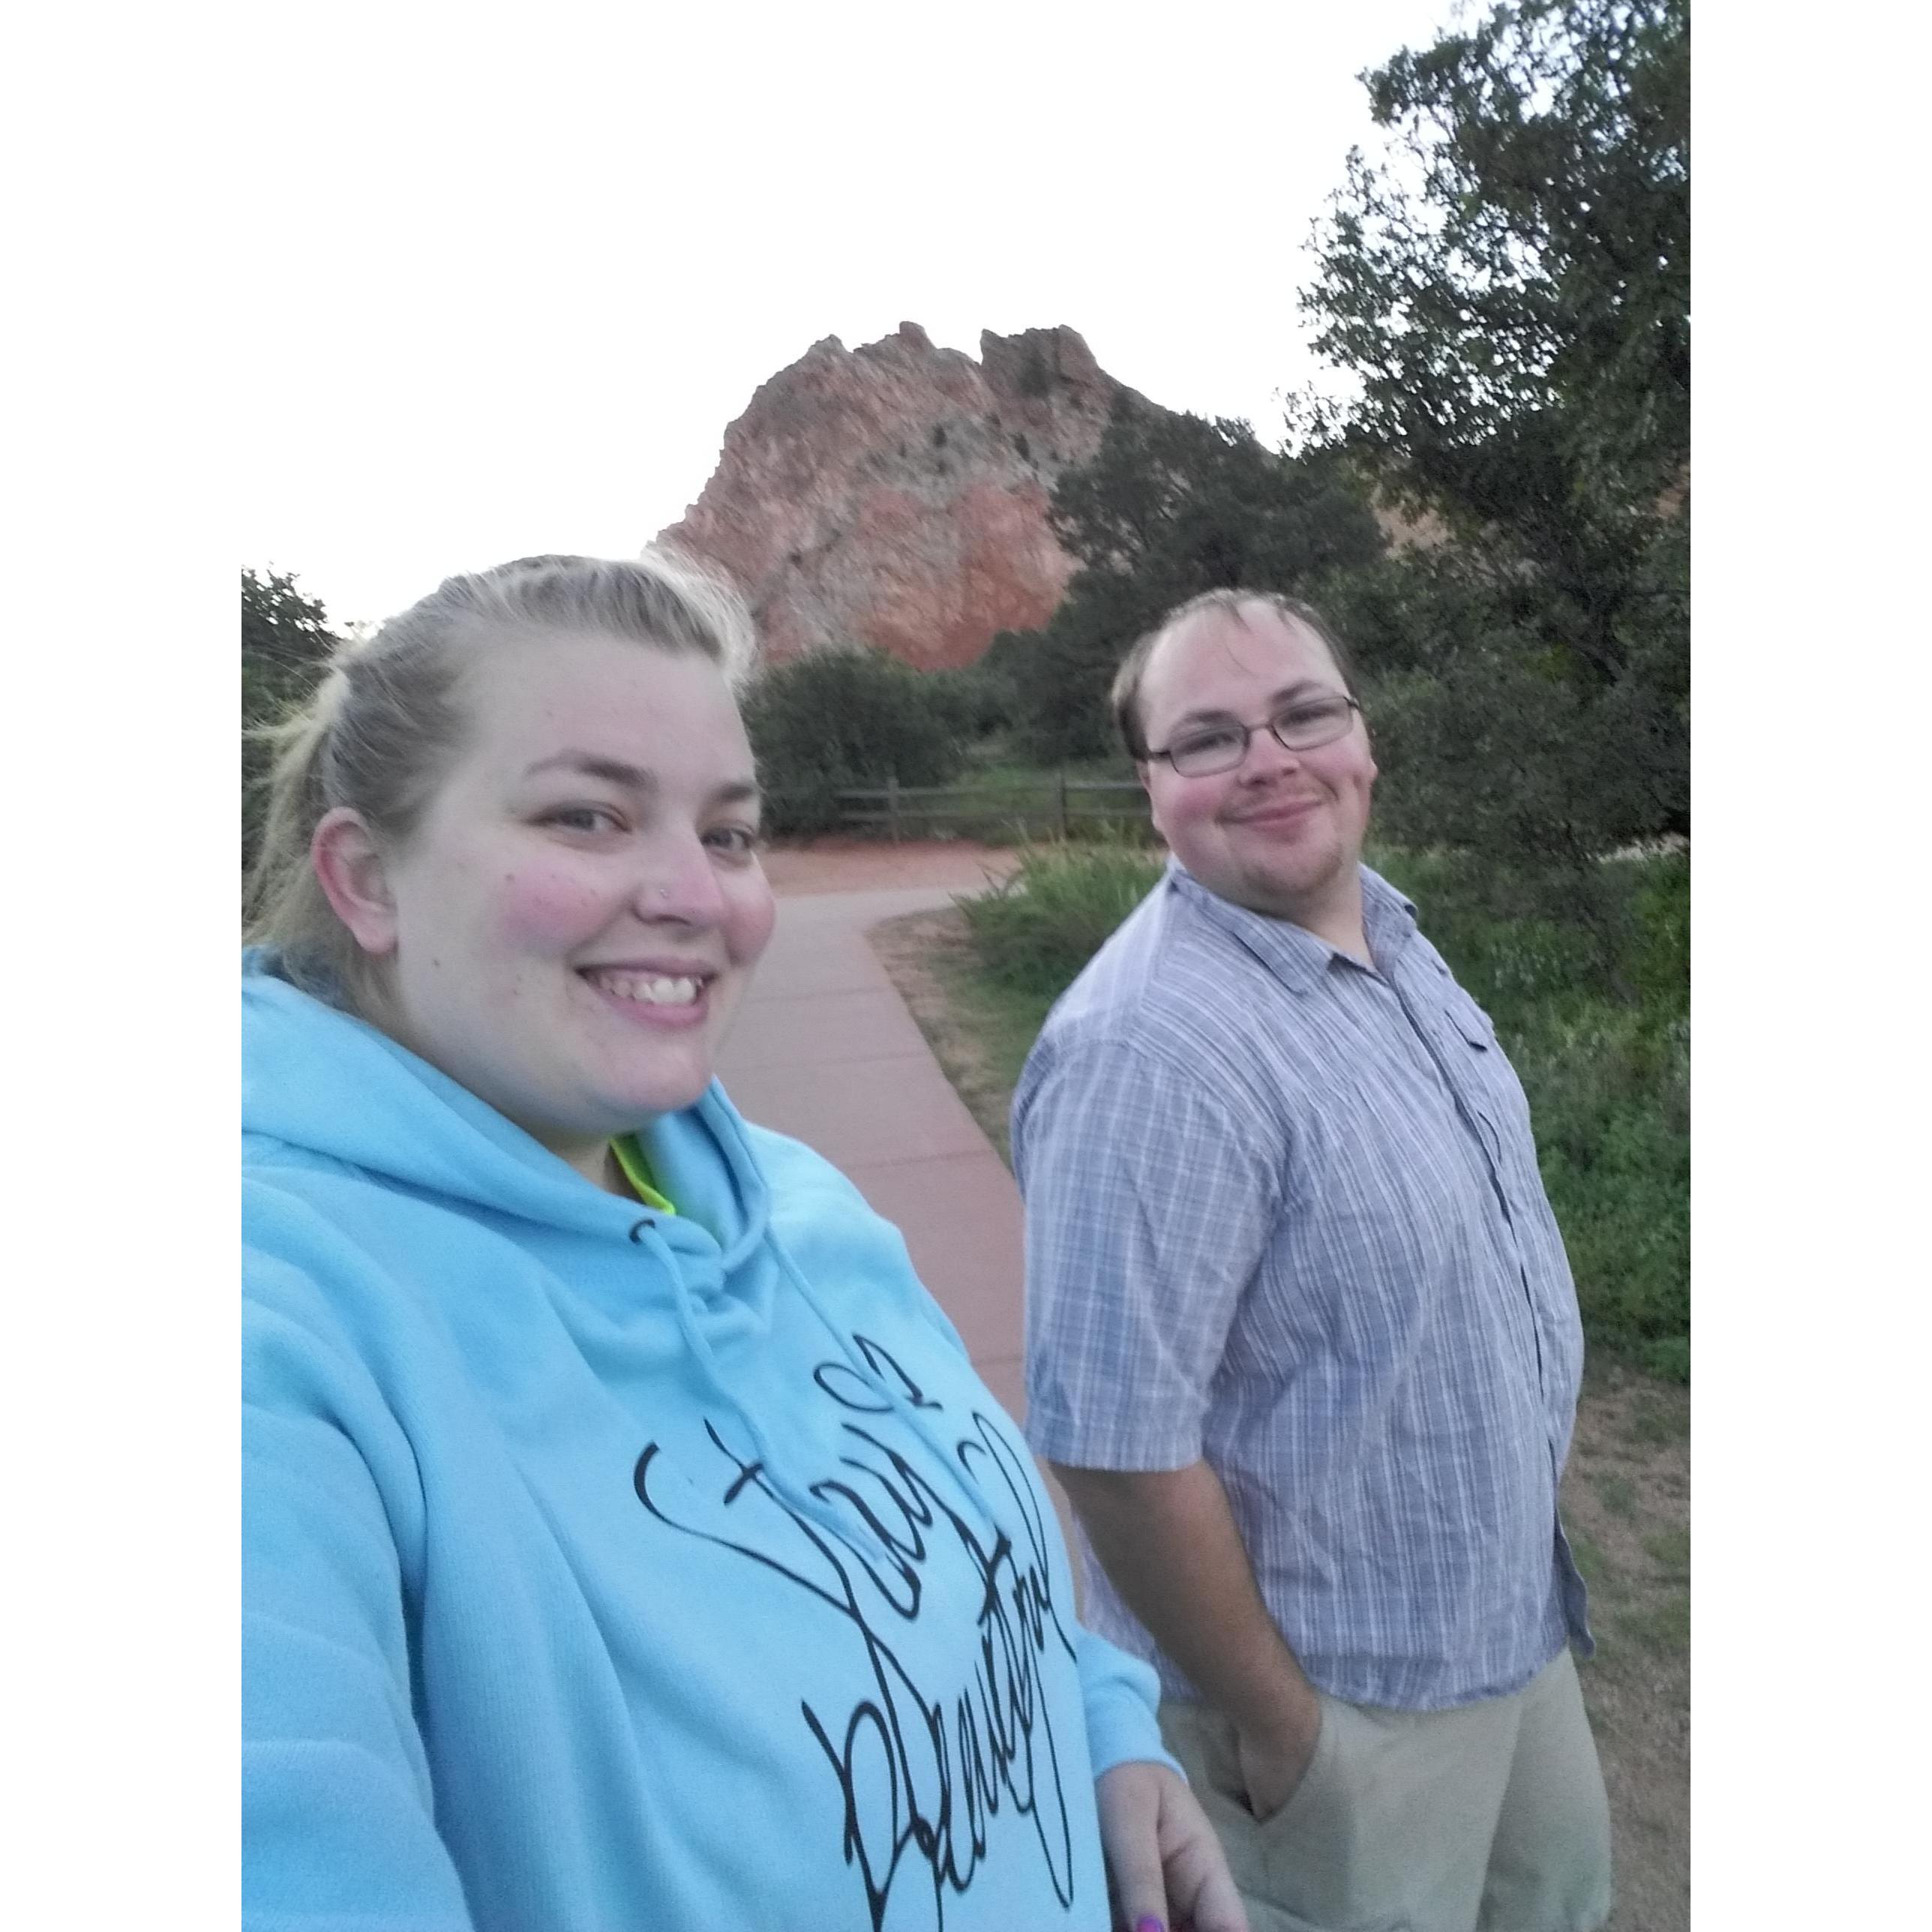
[(1123, 699)]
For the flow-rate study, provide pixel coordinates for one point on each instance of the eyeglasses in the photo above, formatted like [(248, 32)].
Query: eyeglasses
[(1299, 727)]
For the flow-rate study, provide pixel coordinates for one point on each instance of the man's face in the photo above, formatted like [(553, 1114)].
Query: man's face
[(1282, 833)]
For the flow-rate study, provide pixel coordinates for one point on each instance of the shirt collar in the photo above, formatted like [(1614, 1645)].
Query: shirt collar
[(1294, 955)]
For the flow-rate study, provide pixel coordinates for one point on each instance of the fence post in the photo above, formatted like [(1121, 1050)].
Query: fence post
[(892, 805), (1063, 801)]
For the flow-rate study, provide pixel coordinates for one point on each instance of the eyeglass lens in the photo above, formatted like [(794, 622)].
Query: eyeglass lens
[(1301, 726)]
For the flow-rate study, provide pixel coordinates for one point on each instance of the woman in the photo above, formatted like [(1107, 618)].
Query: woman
[(629, 1541)]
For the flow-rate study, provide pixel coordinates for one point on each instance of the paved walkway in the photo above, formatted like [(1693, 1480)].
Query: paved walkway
[(824, 1049)]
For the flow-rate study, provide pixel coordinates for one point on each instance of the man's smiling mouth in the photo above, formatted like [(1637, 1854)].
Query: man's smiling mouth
[(1275, 810)]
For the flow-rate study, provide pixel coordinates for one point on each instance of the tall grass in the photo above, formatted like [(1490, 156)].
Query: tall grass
[(1034, 932), (1593, 1011)]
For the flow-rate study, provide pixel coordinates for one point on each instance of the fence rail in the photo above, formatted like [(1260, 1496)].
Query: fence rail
[(1054, 805)]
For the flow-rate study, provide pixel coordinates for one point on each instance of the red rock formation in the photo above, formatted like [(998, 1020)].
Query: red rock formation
[(896, 494)]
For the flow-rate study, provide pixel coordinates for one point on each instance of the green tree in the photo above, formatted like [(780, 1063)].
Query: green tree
[(843, 717), (1509, 288), (1172, 505), (286, 646)]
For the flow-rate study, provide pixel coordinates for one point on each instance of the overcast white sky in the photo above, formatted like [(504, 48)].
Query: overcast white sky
[(512, 274)]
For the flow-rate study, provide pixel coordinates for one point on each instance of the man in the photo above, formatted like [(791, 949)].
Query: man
[(1303, 1345)]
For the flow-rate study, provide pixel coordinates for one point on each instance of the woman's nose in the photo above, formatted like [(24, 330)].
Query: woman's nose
[(680, 882)]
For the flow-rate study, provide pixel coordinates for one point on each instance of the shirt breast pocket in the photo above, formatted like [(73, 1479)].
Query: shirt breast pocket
[(1467, 1019), (1502, 1098)]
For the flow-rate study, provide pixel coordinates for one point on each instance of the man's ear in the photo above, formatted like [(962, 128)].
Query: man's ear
[(1369, 739), (1142, 767), (350, 869)]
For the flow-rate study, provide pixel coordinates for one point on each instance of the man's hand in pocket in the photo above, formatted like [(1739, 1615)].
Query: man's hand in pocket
[(1273, 1766)]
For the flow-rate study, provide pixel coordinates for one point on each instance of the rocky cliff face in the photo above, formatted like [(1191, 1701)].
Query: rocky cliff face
[(896, 494)]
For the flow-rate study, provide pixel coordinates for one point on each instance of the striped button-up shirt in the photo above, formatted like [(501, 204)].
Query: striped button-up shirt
[(1283, 1213)]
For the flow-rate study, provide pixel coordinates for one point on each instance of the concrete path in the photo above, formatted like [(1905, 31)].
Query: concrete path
[(824, 1049)]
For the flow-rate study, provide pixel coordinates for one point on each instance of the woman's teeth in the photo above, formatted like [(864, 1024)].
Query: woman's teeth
[(654, 990)]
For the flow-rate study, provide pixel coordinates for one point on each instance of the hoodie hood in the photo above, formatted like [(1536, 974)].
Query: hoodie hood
[(324, 1084), (321, 1087)]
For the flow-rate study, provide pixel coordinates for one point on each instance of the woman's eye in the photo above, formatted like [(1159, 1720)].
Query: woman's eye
[(736, 841), (582, 818)]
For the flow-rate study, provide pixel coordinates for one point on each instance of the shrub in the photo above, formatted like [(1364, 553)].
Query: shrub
[(1610, 1094), (1601, 1043), (1034, 932), (839, 718), (976, 699), (1660, 964), (1499, 753)]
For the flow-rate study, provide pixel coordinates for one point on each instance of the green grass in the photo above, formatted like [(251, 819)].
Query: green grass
[(992, 761), (1618, 1495), (1669, 1550), (1662, 1628), (1034, 932), (1588, 985), (1591, 1563), (983, 1039), (1654, 1422), (990, 765), (1000, 799), (1593, 1009), (1016, 806)]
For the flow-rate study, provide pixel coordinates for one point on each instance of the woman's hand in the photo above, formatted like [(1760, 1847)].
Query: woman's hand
[(1164, 1863)]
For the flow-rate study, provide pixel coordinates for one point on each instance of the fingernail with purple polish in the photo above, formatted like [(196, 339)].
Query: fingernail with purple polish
[(1149, 1924)]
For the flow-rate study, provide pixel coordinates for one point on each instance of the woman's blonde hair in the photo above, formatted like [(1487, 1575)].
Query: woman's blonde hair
[(380, 731)]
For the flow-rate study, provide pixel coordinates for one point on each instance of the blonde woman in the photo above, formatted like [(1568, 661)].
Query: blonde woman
[(629, 1541)]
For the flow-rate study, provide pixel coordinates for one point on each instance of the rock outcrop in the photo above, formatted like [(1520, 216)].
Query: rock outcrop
[(896, 494)]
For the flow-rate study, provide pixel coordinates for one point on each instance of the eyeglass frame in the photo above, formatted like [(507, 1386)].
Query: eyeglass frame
[(1267, 724)]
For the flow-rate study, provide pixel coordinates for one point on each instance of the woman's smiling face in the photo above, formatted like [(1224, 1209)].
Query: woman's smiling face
[(574, 920)]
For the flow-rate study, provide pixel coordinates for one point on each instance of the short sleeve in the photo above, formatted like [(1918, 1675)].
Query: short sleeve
[(1150, 1200)]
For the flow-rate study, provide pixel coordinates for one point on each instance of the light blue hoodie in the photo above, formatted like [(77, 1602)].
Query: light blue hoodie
[(606, 1570)]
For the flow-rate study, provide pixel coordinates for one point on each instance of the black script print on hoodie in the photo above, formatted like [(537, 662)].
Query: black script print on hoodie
[(955, 1754)]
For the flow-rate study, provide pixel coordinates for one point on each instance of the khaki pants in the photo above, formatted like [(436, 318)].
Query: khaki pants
[(1490, 1818)]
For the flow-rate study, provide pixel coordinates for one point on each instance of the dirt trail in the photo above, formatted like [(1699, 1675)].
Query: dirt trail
[(842, 862)]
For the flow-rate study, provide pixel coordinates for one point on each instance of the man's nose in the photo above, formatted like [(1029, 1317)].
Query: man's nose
[(1266, 757)]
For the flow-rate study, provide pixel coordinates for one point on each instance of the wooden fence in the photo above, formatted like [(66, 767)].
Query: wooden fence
[(1051, 808)]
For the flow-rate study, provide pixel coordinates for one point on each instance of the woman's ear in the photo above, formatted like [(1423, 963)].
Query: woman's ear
[(354, 878)]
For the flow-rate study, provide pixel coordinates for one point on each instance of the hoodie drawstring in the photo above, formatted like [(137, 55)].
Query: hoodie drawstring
[(644, 1232)]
